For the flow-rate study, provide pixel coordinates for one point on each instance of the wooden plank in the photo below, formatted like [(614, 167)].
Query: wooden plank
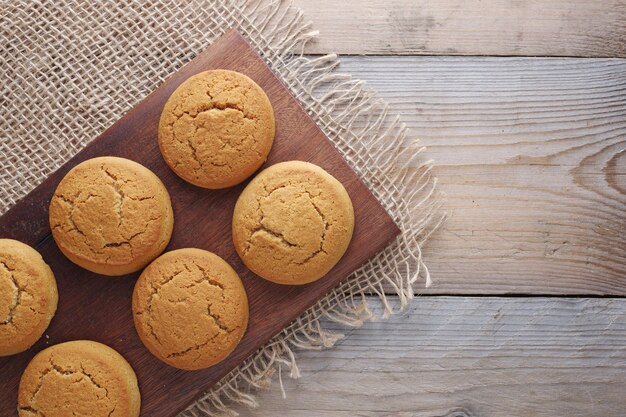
[(469, 27), (531, 154), (468, 356), (87, 301)]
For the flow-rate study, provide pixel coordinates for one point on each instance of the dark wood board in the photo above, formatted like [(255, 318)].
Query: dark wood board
[(96, 307)]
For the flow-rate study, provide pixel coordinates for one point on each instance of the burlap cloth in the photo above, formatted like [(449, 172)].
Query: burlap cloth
[(71, 68)]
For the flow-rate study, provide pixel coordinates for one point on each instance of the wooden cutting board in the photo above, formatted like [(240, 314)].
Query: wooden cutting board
[(98, 308)]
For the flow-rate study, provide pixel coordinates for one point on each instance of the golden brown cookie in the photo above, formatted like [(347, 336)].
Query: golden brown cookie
[(111, 216), (78, 378), (28, 296), (190, 308), (292, 223), (216, 129)]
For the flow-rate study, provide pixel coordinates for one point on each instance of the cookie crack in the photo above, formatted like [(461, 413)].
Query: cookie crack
[(280, 187), (33, 410), (322, 238), (217, 320), (207, 278), (205, 108), (92, 380), (128, 240), (194, 347), (39, 386), (119, 195), (70, 216), (119, 244), (225, 106), (262, 228), (73, 206), (31, 407), (194, 150), (183, 300), (153, 333), (139, 198), (17, 295), (148, 309), (228, 106), (188, 143)]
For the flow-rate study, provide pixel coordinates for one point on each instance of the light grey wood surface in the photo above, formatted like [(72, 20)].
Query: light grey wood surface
[(469, 27), (531, 154), (468, 356)]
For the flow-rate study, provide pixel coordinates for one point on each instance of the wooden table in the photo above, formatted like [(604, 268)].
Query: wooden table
[(527, 315)]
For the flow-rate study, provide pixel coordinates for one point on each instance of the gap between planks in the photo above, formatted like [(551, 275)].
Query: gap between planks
[(419, 294)]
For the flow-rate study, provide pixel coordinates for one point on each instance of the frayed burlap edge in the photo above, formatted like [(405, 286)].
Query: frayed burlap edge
[(380, 150)]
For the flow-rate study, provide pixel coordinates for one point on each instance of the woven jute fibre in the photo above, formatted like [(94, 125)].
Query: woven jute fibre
[(70, 68)]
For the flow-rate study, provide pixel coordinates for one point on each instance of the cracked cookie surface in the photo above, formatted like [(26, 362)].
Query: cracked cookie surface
[(292, 223), (111, 216), (216, 129), (190, 308), (79, 378), (28, 296)]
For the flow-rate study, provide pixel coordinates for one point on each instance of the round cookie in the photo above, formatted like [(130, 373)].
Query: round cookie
[(292, 223), (216, 129), (111, 216), (190, 308), (28, 296), (79, 378)]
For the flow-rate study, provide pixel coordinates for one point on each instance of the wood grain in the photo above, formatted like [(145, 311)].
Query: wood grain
[(98, 308), (531, 154), (468, 27), (468, 357)]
